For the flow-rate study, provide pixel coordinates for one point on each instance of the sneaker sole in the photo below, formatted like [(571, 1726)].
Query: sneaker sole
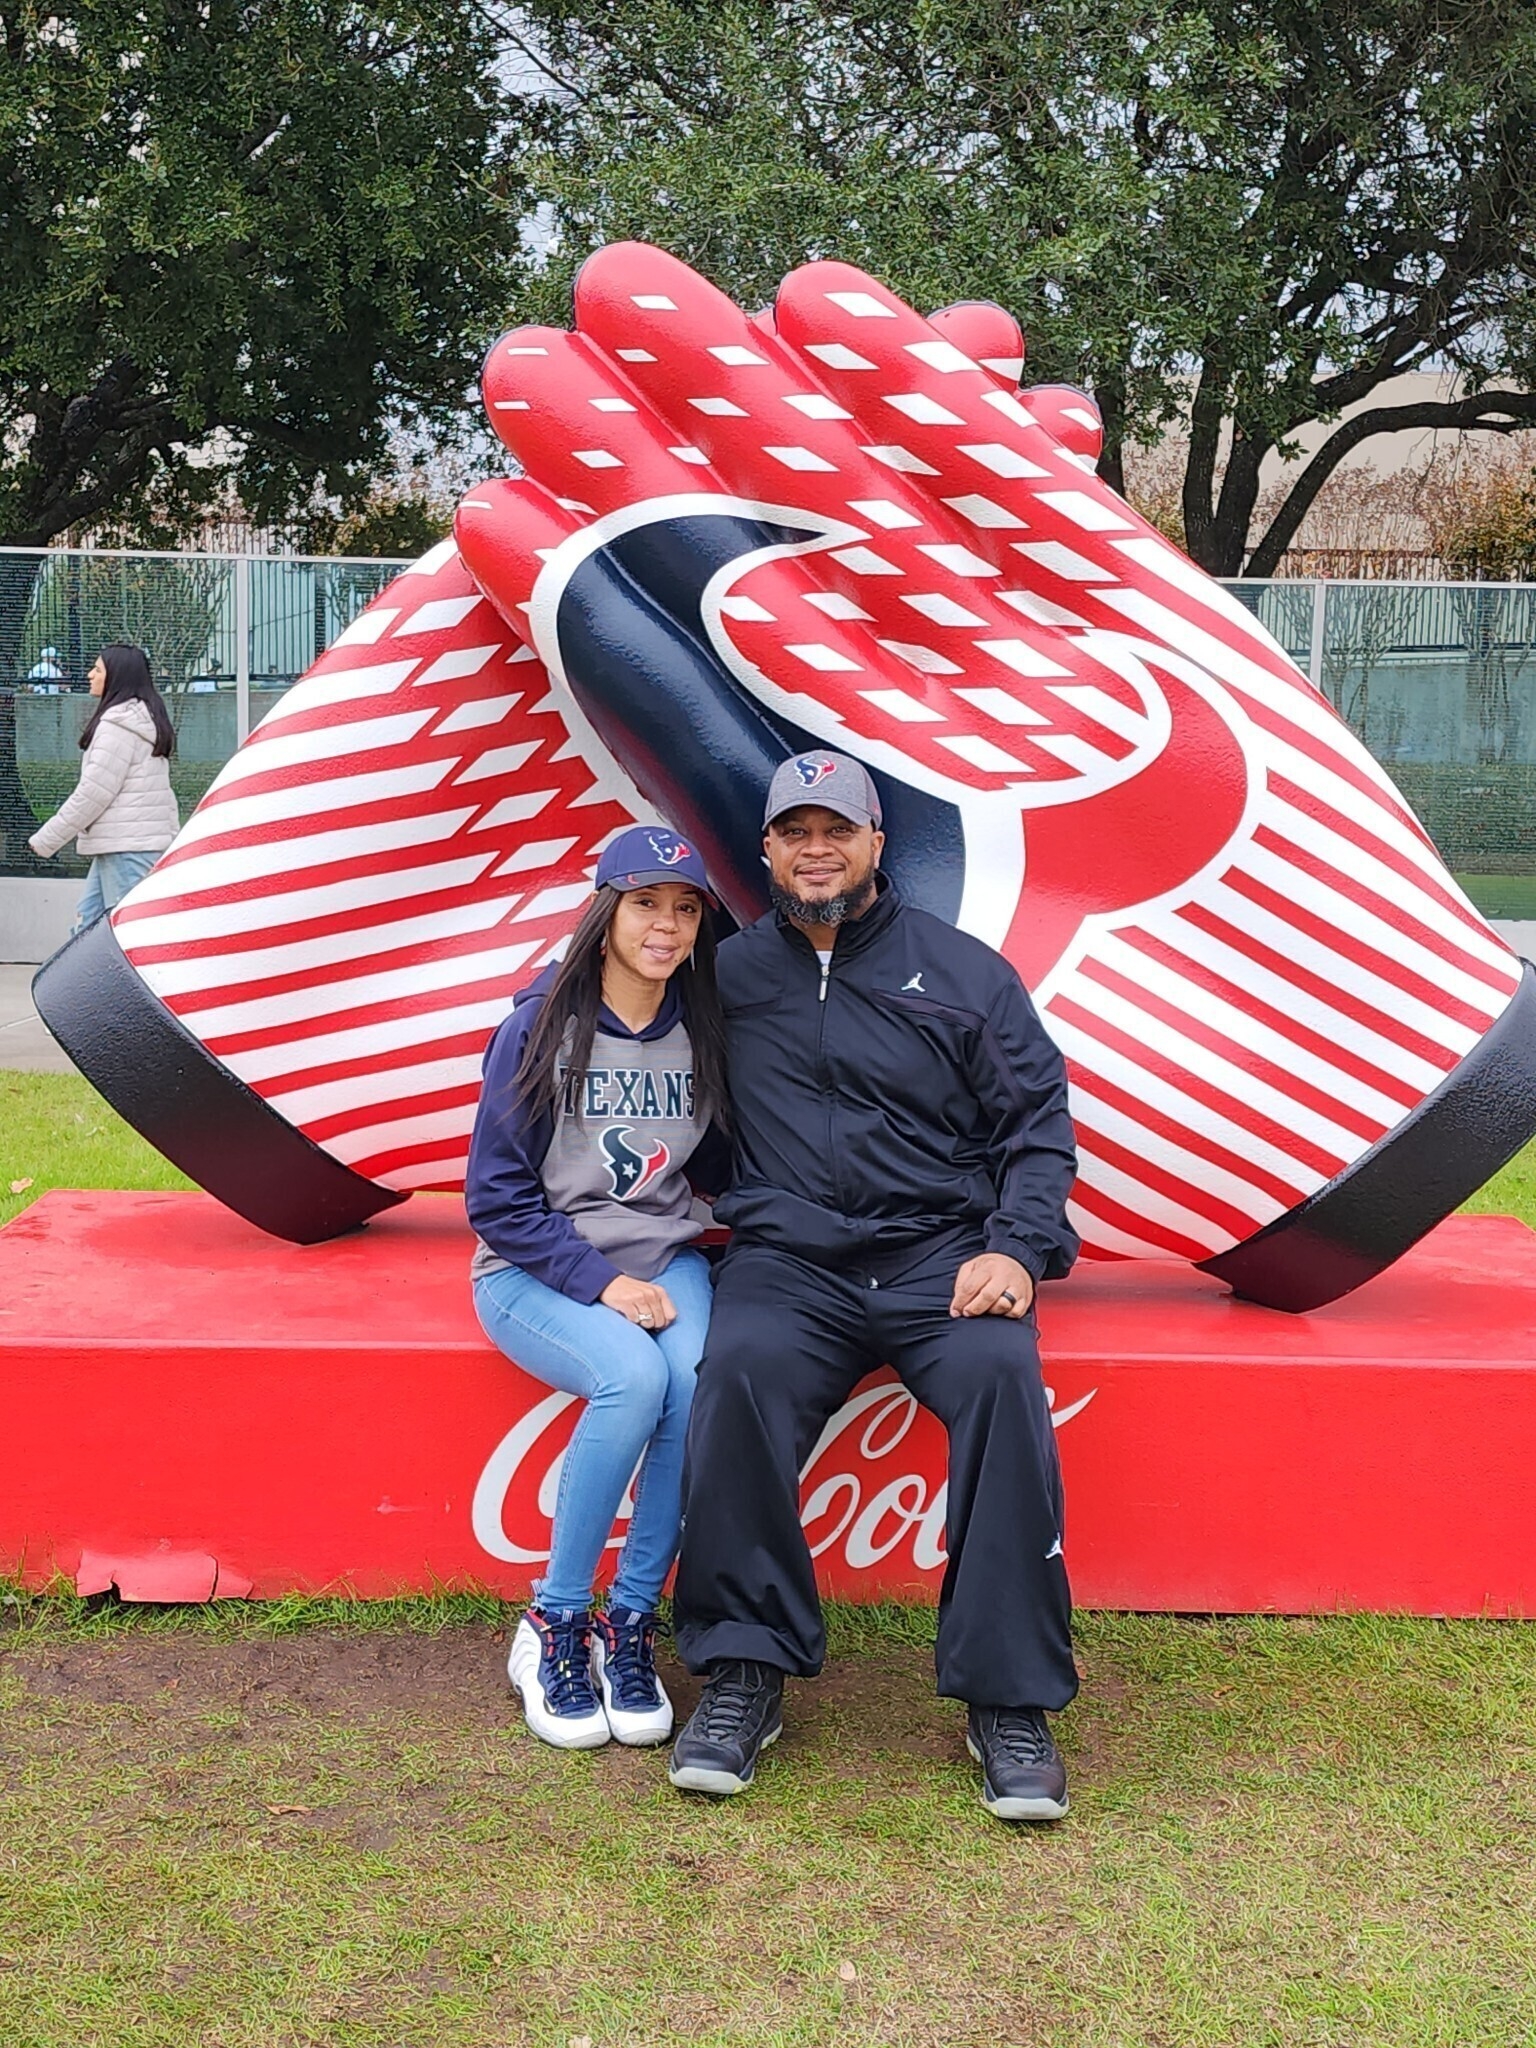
[(635, 1731), (1017, 1809), (719, 1784)]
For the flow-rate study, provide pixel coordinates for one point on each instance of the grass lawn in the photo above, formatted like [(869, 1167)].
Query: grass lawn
[(57, 1132), (1502, 895), (320, 1825)]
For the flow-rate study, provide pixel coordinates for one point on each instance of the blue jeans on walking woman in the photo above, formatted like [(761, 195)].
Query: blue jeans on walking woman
[(110, 878), (638, 1390)]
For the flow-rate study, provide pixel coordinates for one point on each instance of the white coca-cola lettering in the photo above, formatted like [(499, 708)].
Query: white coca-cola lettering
[(870, 1524)]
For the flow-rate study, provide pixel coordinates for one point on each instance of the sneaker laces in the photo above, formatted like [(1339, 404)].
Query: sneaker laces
[(565, 1665), (629, 1659), (1022, 1735), (730, 1693)]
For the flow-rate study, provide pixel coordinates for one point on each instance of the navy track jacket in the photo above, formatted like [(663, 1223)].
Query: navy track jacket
[(916, 1094)]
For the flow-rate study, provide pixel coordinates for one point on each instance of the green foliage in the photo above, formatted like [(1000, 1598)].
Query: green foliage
[(172, 609), (1481, 817), (401, 517), (1483, 523), (262, 231), (1263, 212)]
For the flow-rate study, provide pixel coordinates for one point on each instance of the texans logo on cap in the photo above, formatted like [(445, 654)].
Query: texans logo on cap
[(668, 851), (814, 768)]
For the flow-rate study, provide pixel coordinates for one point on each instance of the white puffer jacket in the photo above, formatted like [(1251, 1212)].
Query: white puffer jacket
[(123, 802)]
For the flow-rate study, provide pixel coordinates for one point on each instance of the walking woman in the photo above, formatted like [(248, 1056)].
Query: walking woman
[(599, 1089), (122, 811)]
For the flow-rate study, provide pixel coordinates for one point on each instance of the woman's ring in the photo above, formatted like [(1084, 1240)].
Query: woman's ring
[(645, 1318)]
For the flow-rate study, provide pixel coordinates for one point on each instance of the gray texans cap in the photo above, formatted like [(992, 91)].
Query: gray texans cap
[(823, 778)]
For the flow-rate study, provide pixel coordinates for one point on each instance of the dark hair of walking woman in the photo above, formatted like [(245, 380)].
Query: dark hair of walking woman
[(576, 994), (128, 676)]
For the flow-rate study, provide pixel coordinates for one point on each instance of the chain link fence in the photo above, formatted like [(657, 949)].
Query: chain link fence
[(226, 636), (1438, 679)]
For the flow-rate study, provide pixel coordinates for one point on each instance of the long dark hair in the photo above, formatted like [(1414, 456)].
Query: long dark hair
[(576, 994), (128, 676)]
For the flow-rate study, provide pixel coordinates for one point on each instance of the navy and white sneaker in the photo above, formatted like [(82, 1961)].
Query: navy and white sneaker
[(551, 1666), (624, 1666), (1023, 1776), (740, 1714)]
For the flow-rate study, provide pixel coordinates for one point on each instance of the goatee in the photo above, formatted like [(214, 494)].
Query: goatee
[(828, 910)]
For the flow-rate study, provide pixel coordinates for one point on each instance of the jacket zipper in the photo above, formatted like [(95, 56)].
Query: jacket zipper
[(825, 1076)]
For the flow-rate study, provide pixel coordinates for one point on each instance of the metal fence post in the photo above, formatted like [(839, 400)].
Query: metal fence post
[(1319, 626), (242, 648)]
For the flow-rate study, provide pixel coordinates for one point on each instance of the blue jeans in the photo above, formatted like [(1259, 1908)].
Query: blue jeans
[(112, 875), (638, 1390)]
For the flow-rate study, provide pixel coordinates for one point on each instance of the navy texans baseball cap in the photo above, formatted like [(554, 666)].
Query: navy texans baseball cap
[(644, 855), (821, 777)]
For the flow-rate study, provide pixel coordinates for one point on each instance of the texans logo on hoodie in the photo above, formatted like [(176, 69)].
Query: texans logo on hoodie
[(629, 1170)]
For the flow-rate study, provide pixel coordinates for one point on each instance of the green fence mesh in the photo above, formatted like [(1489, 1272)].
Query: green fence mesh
[(58, 609), (1438, 679)]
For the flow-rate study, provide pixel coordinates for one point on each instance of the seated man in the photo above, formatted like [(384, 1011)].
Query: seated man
[(904, 1157)]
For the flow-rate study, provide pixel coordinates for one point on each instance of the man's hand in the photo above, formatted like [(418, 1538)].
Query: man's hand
[(992, 1285), (640, 1302)]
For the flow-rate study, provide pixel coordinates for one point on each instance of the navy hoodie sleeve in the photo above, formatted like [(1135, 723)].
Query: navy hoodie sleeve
[(503, 1193), (1020, 1079)]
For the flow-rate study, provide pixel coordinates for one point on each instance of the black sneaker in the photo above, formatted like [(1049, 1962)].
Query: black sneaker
[(1024, 1777), (741, 1713)]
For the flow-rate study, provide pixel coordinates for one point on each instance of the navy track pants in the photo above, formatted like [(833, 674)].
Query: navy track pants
[(788, 1341)]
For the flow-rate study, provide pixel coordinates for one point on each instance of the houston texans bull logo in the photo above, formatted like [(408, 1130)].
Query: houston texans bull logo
[(1293, 1043), (814, 771), (630, 1172), (668, 849)]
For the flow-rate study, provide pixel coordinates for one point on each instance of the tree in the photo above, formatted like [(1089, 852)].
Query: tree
[(1247, 213), (243, 238), (284, 225)]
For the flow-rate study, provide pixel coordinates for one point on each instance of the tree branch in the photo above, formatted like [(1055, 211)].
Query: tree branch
[(1477, 414)]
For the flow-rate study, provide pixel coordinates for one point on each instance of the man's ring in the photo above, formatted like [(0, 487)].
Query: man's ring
[(1010, 1297)]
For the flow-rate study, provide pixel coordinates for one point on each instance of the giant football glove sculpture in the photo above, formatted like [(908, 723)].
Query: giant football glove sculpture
[(1294, 1045)]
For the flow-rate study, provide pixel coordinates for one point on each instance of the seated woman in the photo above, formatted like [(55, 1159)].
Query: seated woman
[(598, 1089)]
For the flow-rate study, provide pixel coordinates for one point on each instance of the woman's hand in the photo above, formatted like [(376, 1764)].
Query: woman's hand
[(640, 1301)]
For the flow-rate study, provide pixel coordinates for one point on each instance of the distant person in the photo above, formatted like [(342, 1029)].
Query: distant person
[(46, 675), (599, 1088), (122, 812)]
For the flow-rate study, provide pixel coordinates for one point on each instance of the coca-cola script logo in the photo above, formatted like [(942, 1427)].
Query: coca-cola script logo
[(859, 1502)]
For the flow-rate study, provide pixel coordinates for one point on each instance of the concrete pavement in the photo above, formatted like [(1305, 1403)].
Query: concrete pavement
[(25, 1040)]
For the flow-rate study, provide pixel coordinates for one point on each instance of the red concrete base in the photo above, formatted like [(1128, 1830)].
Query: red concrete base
[(192, 1408)]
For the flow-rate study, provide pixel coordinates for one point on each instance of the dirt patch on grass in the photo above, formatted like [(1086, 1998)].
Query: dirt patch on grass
[(457, 1676)]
